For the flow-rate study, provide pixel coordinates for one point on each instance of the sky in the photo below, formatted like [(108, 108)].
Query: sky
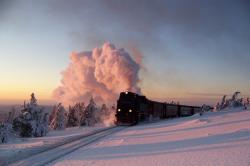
[(194, 51)]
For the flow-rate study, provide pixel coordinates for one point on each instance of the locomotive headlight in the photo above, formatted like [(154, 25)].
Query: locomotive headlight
[(130, 111), (119, 110)]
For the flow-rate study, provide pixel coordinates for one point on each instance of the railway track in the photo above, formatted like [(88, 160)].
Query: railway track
[(52, 154)]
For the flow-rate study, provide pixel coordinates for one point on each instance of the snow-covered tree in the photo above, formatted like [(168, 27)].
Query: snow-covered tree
[(33, 120), (33, 100), (42, 129), (223, 102), (72, 117), (81, 114), (233, 102), (98, 115), (76, 115), (246, 103), (58, 121), (53, 114), (90, 113), (4, 133), (235, 96), (217, 107)]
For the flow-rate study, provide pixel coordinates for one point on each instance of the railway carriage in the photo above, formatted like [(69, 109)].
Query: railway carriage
[(186, 110), (172, 110), (197, 110)]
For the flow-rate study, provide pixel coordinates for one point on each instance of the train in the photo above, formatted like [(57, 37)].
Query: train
[(133, 108)]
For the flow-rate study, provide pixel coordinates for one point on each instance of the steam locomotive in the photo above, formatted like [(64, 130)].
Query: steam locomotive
[(133, 108)]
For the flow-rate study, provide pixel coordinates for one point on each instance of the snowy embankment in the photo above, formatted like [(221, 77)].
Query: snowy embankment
[(19, 148), (216, 138)]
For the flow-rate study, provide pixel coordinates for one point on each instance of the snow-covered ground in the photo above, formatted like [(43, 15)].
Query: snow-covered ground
[(19, 148), (220, 138)]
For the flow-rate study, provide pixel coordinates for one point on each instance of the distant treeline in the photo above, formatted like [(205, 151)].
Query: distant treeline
[(5, 109)]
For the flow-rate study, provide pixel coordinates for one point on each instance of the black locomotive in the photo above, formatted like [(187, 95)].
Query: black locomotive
[(132, 108)]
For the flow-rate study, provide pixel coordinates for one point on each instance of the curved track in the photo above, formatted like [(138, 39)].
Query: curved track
[(55, 153)]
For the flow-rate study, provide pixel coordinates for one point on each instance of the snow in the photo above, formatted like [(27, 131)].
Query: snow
[(215, 138), (19, 148)]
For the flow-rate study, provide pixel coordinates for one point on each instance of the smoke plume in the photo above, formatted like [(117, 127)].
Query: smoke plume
[(102, 74)]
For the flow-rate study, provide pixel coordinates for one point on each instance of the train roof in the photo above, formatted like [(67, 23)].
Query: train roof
[(131, 94)]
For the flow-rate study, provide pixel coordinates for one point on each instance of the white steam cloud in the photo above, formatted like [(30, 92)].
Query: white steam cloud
[(102, 74)]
